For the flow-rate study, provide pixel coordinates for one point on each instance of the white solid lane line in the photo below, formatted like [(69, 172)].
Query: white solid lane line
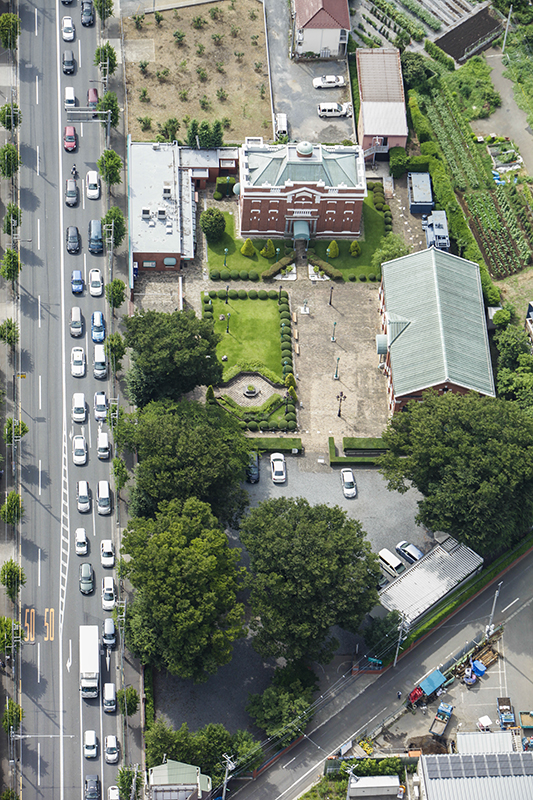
[(40, 391), (39, 244), (79, 55), (36, 24), (40, 481), (38, 160), (36, 86), (39, 314)]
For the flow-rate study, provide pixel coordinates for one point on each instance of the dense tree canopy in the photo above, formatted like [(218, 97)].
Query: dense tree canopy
[(391, 246), (284, 708), (414, 70), (185, 616), (311, 568), (185, 450), (515, 366), (472, 459), (172, 354)]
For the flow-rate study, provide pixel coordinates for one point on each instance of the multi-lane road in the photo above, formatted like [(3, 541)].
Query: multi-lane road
[(50, 749)]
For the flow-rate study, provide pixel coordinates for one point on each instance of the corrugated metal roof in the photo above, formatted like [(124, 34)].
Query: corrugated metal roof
[(477, 742), (275, 165), (429, 580), (505, 776), (383, 119), (173, 774), (322, 14), (441, 296), (420, 183), (380, 75)]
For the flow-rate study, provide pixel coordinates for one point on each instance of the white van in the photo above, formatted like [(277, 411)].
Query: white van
[(103, 498), (76, 321), (70, 98), (78, 407), (390, 563), (100, 362), (109, 636), (102, 445), (334, 109), (110, 697), (281, 125)]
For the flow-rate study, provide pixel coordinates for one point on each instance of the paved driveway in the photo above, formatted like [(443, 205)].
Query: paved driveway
[(292, 84)]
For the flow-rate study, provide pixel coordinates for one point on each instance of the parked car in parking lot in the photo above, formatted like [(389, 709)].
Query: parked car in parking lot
[(349, 486), (252, 470), (277, 468), (328, 82), (409, 551)]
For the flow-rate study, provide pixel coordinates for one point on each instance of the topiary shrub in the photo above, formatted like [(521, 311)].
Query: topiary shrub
[(290, 417), (217, 196), (272, 294), (286, 337), (290, 407), (248, 248), (225, 274), (221, 294), (386, 207), (233, 294), (362, 277), (283, 307), (286, 346), (242, 425), (284, 294), (253, 426), (242, 294), (212, 292), (352, 278), (387, 215), (355, 249), (333, 248), (282, 425), (378, 206), (284, 326), (285, 315), (234, 274), (273, 426), (243, 275), (252, 294), (291, 426), (371, 276), (253, 275), (262, 294), (206, 299), (264, 425), (268, 251), (388, 227), (214, 275)]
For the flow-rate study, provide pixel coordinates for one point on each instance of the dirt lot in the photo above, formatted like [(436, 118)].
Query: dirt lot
[(470, 31), (244, 78)]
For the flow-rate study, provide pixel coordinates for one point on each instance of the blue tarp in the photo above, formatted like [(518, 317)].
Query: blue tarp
[(479, 668), (433, 682)]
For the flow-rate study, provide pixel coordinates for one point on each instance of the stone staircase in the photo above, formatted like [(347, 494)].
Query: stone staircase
[(300, 259)]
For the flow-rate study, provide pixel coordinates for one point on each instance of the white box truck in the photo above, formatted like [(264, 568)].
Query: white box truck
[(89, 661)]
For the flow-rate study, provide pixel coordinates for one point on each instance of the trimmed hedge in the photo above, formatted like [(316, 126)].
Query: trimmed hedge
[(439, 55), (361, 443), (284, 307), (272, 294), (243, 275), (335, 459), (242, 294), (275, 443), (221, 294), (233, 294), (252, 294), (398, 160), (253, 275), (225, 274), (419, 122), (214, 275), (213, 293), (234, 275), (331, 272), (277, 266), (262, 295)]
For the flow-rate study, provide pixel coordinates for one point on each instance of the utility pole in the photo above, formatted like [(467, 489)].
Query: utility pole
[(507, 28), (400, 635), (230, 766), (489, 630)]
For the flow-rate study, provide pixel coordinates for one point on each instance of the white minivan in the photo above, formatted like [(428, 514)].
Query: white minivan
[(110, 697), (390, 563), (70, 98), (102, 445), (334, 109), (100, 362), (103, 498), (78, 407)]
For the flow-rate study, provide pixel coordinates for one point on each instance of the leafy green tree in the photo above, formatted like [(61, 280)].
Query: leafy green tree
[(13, 714), (10, 266), (185, 615), (174, 352), (10, 116), (471, 458), (9, 160), (248, 248), (333, 249), (12, 577), (21, 429), (382, 633), (8, 628), (130, 698), (184, 449), (105, 57), (126, 775), (213, 224), (115, 293), (110, 167), (217, 134), (355, 249), (283, 710), (115, 349), (168, 131), (204, 134), (13, 508), (12, 219), (414, 71), (517, 384), (121, 474), (502, 318), (268, 250), (311, 568), (104, 9), (9, 794), (511, 343), (108, 102), (391, 246), (192, 133), (9, 332), (9, 31), (116, 218)]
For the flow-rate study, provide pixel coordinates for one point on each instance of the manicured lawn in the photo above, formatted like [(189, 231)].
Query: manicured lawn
[(253, 340), (235, 259), (374, 230)]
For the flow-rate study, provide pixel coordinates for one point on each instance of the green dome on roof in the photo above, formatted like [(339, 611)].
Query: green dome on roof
[(237, 189), (304, 148)]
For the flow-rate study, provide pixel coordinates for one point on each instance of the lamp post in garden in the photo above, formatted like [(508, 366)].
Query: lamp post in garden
[(341, 397), (333, 334), (327, 255), (227, 323), (278, 251), (287, 398), (227, 291), (330, 295), (336, 376), (226, 251)]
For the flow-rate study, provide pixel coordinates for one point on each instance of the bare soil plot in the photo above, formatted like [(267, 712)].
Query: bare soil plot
[(203, 78), (463, 36)]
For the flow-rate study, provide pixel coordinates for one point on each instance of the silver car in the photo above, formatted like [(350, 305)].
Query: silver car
[(77, 362), (79, 450), (349, 486)]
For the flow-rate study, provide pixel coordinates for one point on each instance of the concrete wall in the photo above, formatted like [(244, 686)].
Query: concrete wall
[(317, 39)]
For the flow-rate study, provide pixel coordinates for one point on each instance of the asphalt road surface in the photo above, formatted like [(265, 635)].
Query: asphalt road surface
[(51, 762)]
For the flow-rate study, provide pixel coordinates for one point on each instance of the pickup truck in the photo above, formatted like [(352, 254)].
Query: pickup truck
[(442, 717), (505, 712)]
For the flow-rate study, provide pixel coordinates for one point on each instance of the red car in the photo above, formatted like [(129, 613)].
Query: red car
[(70, 140)]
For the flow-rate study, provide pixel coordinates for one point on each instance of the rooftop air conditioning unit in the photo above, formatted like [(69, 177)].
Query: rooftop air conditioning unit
[(161, 213), (156, 146), (145, 213), (167, 192)]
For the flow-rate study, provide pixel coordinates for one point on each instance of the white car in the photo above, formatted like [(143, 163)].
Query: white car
[(79, 410), (90, 744), (328, 82), (68, 30), (109, 598), (96, 284), (79, 450), (77, 362), (111, 749), (82, 545), (349, 486), (113, 793), (100, 406), (277, 468), (83, 497), (107, 553), (92, 182)]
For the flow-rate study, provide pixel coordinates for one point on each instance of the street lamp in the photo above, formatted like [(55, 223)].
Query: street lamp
[(336, 376), (227, 323), (341, 397), (333, 334), (227, 290), (279, 296), (330, 295), (226, 251), (278, 251), (327, 255)]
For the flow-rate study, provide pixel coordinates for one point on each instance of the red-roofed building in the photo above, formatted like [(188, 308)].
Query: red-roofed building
[(321, 27)]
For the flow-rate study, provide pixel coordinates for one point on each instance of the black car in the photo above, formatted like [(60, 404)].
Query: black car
[(87, 12), (73, 239), (92, 787), (252, 470), (68, 62)]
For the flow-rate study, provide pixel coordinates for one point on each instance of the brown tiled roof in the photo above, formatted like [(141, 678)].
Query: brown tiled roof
[(322, 14)]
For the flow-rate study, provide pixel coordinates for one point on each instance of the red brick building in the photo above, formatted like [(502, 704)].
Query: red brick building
[(300, 191)]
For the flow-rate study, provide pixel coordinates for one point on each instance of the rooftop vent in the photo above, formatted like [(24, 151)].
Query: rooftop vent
[(304, 150), (156, 146), (145, 213), (161, 213), (167, 192)]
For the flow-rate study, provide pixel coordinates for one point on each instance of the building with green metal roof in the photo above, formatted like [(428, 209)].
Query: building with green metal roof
[(175, 780), (434, 331)]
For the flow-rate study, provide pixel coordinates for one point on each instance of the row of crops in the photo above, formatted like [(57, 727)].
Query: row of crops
[(498, 232)]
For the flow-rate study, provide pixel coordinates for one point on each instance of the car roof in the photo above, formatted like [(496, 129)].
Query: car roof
[(70, 129), (97, 315), (76, 273), (92, 172)]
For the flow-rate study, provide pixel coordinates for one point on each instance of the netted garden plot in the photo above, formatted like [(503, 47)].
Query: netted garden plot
[(481, 28)]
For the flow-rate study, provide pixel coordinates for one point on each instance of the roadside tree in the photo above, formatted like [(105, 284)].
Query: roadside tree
[(9, 160), (9, 332), (10, 266), (106, 103), (115, 293), (110, 166), (116, 218), (115, 350), (185, 615), (311, 568), (126, 775), (120, 473), (13, 716), (21, 429), (12, 577), (128, 700), (104, 9), (8, 628), (105, 58), (9, 31), (172, 353), (12, 219), (283, 710), (10, 116), (13, 509), (382, 633), (472, 459)]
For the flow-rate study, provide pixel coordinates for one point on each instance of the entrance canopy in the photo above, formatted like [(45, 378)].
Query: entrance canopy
[(301, 229)]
